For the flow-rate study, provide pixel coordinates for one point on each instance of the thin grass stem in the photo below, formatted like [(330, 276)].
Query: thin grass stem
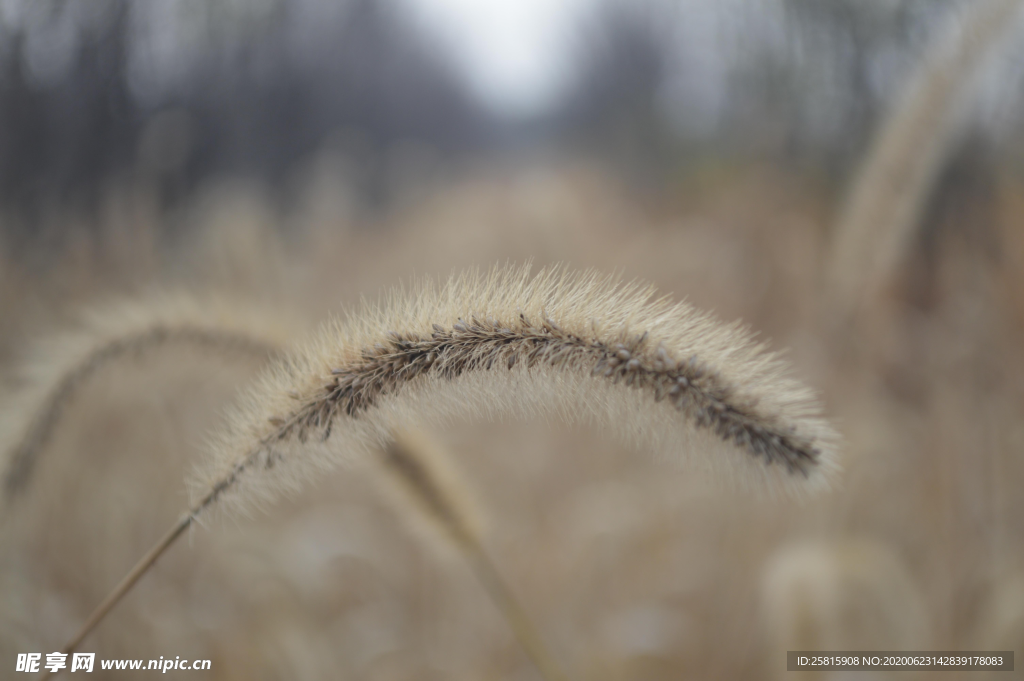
[(125, 585)]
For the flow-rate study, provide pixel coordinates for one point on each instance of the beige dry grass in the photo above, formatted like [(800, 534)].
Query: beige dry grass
[(660, 375), (420, 468), (853, 594), (611, 352), (876, 226), (124, 331), (633, 568)]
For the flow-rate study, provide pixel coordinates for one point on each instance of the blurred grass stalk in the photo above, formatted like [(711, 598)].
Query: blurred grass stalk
[(423, 470), (876, 225)]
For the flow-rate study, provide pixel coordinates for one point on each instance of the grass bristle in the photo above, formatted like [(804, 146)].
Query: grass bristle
[(659, 374), (108, 335)]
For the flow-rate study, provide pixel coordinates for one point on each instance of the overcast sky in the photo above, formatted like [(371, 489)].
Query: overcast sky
[(513, 51)]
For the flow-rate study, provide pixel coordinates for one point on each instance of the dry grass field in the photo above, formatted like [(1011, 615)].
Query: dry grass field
[(632, 567)]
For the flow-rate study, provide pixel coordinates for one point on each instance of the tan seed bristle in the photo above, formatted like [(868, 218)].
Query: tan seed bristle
[(110, 334), (877, 222), (580, 345), (356, 382)]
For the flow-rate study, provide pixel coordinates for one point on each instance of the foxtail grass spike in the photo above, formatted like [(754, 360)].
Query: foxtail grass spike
[(65, 363), (661, 375), (877, 222)]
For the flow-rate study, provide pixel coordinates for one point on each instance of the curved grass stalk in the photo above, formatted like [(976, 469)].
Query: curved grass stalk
[(110, 336), (661, 375), (877, 222)]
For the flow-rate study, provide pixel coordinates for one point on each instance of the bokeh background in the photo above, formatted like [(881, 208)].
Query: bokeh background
[(304, 154)]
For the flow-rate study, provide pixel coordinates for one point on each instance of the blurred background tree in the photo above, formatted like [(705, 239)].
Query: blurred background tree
[(164, 95)]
